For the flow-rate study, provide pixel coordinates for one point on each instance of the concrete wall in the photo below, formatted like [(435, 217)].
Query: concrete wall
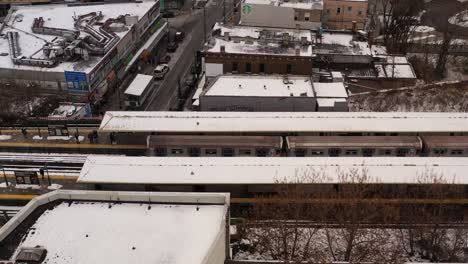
[(257, 104), (344, 18), (282, 17)]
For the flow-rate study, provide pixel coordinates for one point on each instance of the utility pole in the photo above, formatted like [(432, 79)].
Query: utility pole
[(204, 24), (224, 12), (48, 175)]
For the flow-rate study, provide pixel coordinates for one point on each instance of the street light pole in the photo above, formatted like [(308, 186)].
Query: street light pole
[(204, 24), (48, 176)]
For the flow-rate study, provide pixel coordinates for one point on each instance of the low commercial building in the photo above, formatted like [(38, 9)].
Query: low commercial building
[(386, 72), (77, 50), (260, 50), (241, 49), (118, 227), (272, 93), (306, 14), (345, 14)]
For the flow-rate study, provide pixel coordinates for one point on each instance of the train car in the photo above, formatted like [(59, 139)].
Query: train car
[(353, 146), (445, 146), (214, 146)]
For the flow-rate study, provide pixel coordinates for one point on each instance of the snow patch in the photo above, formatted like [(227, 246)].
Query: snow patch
[(5, 137)]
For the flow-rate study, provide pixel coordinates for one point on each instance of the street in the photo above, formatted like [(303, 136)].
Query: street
[(192, 24)]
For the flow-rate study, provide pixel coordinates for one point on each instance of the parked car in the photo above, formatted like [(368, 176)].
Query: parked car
[(165, 59), (167, 14), (160, 71), (179, 36), (172, 47)]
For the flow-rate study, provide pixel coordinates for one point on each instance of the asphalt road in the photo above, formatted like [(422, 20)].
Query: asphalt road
[(191, 23)]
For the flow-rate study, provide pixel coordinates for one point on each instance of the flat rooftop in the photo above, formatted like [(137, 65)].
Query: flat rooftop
[(239, 31), (252, 170), (264, 86), (139, 84), (330, 90), (133, 121), (256, 47), (124, 228), (301, 4), (61, 16)]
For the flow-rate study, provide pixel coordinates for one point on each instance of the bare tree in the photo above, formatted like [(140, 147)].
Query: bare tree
[(443, 53), (399, 22)]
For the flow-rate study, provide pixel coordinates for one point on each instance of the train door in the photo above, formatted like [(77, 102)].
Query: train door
[(368, 152), (334, 152)]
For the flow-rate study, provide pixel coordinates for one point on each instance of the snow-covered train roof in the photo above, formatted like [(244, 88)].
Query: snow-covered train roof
[(250, 170), (122, 227), (226, 122)]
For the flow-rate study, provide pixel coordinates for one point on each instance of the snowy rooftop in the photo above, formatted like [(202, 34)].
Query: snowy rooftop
[(128, 228), (342, 42), (301, 4), (255, 47), (330, 90), (189, 170), (258, 32), (284, 122), (59, 15), (139, 84), (270, 85)]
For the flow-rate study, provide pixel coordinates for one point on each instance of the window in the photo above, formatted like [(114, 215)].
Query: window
[(328, 11), (334, 152), (338, 10), (262, 67), (177, 151), (261, 152), (288, 68), (211, 152), (385, 152), (351, 152), (402, 152), (300, 152), (194, 152), (316, 152), (457, 152), (350, 8), (307, 16), (296, 16), (367, 152), (234, 67), (359, 13), (248, 67), (440, 152), (228, 152), (245, 152), (160, 152)]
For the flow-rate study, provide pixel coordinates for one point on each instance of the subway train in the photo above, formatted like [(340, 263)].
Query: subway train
[(306, 146)]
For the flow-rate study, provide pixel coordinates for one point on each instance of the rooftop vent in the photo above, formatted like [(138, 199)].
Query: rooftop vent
[(222, 48), (264, 87), (31, 254), (240, 86)]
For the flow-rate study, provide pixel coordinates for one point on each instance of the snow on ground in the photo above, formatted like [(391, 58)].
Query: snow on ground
[(5, 137), (37, 137), (423, 29), (54, 186), (444, 98), (80, 138), (460, 19), (96, 232)]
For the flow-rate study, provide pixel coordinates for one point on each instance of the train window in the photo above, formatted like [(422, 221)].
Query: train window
[(261, 152), (457, 152), (211, 151), (177, 151), (440, 151), (194, 152), (402, 152), (385, 152), (334, 152), (160, 152), (367, 152), (245, 152), (228, 152), (316, 152), (300, 152), (393, 134), (350, 152)]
